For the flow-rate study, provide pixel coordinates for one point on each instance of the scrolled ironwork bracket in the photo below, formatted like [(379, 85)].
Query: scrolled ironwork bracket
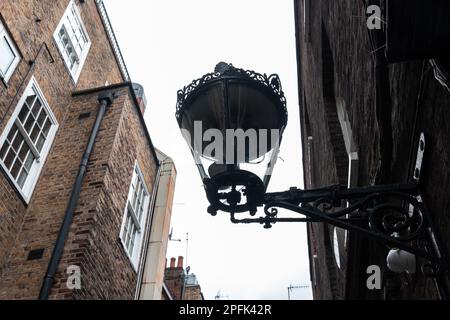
[(390, 214)]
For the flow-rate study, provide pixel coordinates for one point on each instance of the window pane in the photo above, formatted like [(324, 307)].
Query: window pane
[(36, 108), (34, 133), (40, 142), (29, 161), (6, 55), (47, 126), (23, 113), (141, 210), (138, 197), (73, 61), (29, 124), (69, 31), (140, 204), (30, 100), (42, 117), (24, 151), (16, 167), (142, 195), (65, 40), (22, 178), (132, 233), (134, 198), (12, 133), (125, 229), (127, 234), (63, 35), (130, 250), (10, 158), (4, 149), (77, 49), (17, 142)]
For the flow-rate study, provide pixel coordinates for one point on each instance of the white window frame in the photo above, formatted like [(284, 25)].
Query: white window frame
[(4, 35), (141, 224), (350, 147), (336, 250), (30, 183), (80, 59)]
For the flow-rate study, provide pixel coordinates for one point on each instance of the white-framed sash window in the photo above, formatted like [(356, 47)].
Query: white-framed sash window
[(72, 40), (9, 56), (135, 215), (26, 139)]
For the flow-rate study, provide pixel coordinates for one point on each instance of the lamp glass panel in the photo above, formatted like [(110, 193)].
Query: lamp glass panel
[(207, 109), (255, 112), (253, 109)]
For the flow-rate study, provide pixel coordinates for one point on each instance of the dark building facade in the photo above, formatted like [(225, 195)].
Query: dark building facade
[(364, 102), (61, 71)]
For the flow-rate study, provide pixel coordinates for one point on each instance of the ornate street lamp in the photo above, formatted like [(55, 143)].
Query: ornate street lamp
[(233, 121), (219, 115)]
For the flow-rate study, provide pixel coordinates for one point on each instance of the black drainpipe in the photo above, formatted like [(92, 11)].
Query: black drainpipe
[(105, 99)]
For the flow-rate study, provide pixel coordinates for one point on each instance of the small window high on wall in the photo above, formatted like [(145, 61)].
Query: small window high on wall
[(9, 56), (72, 40)]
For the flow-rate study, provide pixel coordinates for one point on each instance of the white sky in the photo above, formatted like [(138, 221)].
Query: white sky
[(166, 44)]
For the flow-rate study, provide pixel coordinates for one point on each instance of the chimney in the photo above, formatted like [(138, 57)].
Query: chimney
[(180, 262), (172, 263), (140, 96)]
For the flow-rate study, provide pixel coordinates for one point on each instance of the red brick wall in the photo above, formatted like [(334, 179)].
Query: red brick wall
[(174, 280), (92, 242), (193, 293), (32, 40), (94, 239)]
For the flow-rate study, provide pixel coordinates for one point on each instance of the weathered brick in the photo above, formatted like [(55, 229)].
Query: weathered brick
[(338, 62), (92, 242)]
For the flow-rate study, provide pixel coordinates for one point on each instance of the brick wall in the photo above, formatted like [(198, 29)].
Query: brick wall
[(415, 94), (335, 63), (193, 293), (182, 286), (92, 242), (174, 278), (35, 43)]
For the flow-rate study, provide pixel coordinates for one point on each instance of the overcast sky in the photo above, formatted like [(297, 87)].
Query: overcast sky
[(166, 44)]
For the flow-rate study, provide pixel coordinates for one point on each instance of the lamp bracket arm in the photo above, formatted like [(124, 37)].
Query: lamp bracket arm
[(393, 215)]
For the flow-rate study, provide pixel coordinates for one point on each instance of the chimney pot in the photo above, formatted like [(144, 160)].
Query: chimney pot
[(172, 263), (180, 262), (140, 96)]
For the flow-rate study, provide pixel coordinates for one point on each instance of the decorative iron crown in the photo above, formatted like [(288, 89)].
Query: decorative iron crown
[(228, 70)]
